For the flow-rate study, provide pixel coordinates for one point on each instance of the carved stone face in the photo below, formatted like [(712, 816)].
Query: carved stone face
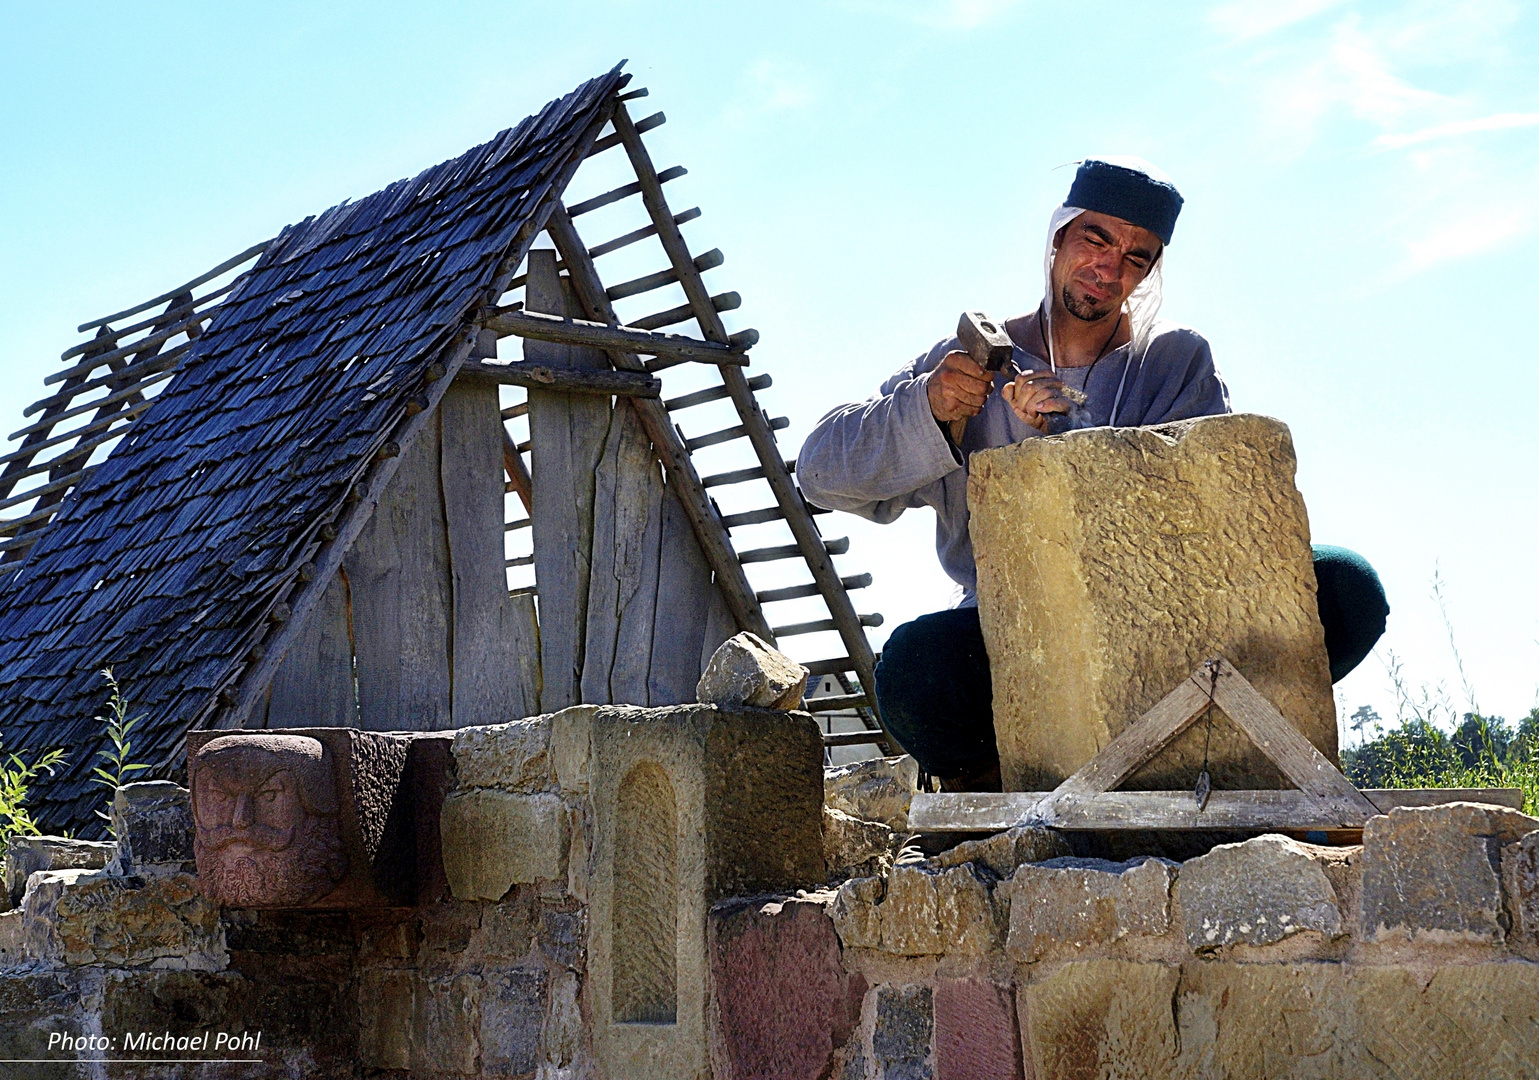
[(265, 809)]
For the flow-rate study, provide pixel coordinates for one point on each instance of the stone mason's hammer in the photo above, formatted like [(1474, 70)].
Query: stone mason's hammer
[(991, 348)]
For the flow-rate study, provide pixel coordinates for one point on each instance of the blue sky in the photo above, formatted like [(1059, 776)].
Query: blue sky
[(1362, 185)]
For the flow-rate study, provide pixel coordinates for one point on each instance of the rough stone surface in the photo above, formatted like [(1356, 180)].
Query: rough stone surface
[(1066, 905), (91, 917), (13, 941), (745, 670), (384, 1027), (1004, 852), (513, 757), (920, 912), (569, 748), (1113, 561), (1520, 880), (152, 823), (690, 805), (24, 855), (878, 789), (852, 846), (905, 1026), (370, 813), (857, 918), (975, 1032), (1257, 893), (512, 1014), (1102, 1018), (493, 840), (1433, 873), (35, 1005), (784, 1002), (446, 1023)]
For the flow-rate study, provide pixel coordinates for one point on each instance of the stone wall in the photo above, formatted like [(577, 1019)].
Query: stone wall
[(1414, 954)]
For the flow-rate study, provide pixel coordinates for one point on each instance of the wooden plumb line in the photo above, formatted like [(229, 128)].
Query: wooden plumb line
[(567, 380), (46, 489), (33, 449), (563, 331), (172, 294), (151, 366), (624, 191)]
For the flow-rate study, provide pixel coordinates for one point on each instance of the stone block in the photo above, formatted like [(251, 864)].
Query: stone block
[(920, 912), (783, 1001), (514, 756), (13, 939), (429, 778), (852, 846), (569, 748), (1520, 882), (1065, 905), (36, 1005), (77, 917), (385, 1018), (975, 1031), (744, 670), (446, 1024), (1432, 873), (493, 840), (1113, 561), (690, 805), (561, 1040), (1102, 1018), (307, 817), (877, 789), (512, 1016), (152, 823), (1004, 852), (903, 1032), (856, 913), (1258, 893), (25, 855)]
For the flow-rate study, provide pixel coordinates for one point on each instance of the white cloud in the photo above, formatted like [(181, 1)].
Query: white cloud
[(1498, 122)]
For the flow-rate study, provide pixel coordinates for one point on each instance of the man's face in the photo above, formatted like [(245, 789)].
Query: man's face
[(1101, 260), (248, 811)]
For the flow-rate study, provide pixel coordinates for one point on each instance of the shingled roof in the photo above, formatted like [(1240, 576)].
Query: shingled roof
[(170, 558)]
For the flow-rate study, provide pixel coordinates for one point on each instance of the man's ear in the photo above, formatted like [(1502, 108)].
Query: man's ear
[(1058, 238)]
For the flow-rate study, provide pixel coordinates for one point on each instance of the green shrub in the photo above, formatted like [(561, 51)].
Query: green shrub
[(16, 776)]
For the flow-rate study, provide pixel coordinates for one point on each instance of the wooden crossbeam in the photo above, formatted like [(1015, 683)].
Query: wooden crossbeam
[(531, 324), (566, 380)]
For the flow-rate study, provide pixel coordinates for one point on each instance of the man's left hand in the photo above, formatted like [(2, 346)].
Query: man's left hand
[(1034, 394)]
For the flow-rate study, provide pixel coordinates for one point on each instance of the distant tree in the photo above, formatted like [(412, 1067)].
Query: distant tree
[(1481, 739)]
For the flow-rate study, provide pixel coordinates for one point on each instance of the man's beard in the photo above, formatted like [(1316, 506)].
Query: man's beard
[(300, 874), (1083, 310)]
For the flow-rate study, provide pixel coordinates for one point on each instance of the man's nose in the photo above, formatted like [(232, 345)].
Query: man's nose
[(243, 816)]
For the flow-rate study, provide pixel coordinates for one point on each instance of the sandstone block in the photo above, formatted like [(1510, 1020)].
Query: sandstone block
[(690, 805), (13, 940), (905, 1027), (1004, 852), (569, 748), (1114, 561), (307, 817), (855, 913), (783, 1000), (384, 1024), (745, 670), (1520, 879), (1432, 873), (25, 855), (878, 789), (975, 1032), (514, 756), (446, 1024), (77, 917), (493, 840), (1102, 1018), (854, 846), (920, 912), (1257, 893), (562, 1038), (512, 1015), (1067, 904), (152, 822), (35, 1005)]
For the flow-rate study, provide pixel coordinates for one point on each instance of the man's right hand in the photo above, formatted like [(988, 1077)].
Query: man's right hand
[(958, 387)]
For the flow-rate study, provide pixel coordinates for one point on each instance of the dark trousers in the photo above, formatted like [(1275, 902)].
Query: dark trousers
[(933, 687)]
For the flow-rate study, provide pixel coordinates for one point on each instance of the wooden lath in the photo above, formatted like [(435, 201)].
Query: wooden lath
[(110, 383), (626, 344), (1322, 798)]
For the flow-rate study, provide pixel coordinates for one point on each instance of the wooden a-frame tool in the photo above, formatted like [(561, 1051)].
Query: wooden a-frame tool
[(1322, 798)]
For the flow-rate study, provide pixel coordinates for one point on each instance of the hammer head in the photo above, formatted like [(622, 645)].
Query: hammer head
[(984, 339)]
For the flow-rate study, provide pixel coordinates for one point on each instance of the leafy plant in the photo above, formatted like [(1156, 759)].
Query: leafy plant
[(119, 768), (16, 776)]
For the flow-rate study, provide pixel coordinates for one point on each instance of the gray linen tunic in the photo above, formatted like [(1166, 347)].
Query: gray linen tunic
[(879, 457)]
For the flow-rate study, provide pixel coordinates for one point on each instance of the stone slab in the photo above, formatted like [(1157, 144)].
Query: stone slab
[(1101, 1018), (975, 1031), (921, 912), (1258, 893), (783, 1001), (75, 917), (25, 855), (514, 756), (1433, 873), (877, 789), (493, 840), (1064, 906), (1113, 561), (745, 670), (1004, 852), (152, 823), (853, 846), (690, 805)]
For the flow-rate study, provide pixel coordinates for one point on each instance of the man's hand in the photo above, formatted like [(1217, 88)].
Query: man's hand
[(1034, 394), (958, 387)]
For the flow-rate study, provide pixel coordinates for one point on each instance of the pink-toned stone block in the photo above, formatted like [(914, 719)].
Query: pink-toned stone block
[(975, 1032), (782, 999)]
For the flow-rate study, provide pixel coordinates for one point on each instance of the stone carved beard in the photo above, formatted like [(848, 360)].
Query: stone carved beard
[(252, 875)]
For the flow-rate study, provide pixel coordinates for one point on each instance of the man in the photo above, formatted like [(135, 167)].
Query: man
[(1097, 331)]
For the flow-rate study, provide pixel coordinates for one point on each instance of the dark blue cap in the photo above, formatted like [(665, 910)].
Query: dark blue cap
[(1130, 194)]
